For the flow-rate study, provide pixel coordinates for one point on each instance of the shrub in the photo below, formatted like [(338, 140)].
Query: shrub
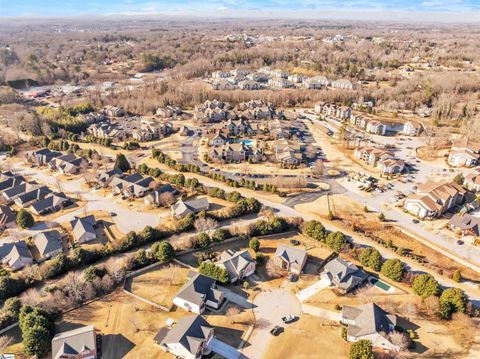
[(393, 269), (425, 285), (457, 276), (370, 257), (336, 241), (254, 244), (343, 333), (213, 271), (452, 300), (260, 258), (37, 331), (162, 251), (361, 350), (59, 265), (10, 286), (220, 234), (314, 229), (203, 240), (92, 272), (25, 219)]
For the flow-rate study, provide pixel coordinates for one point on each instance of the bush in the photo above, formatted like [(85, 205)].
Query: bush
[(213, 271), (452, 300), (254, 244), (336, 241), (343, 333), (393, 269), (162, 251), (25, 219), (59, 265), (260, 258), (457, 276), (203, 240), (315, 229), (361, 350), (220, 235), (370, 257), (92, 272), (10, 286), (425, 285)]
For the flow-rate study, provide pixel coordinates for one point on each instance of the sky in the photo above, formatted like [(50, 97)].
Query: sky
[(423, 9)]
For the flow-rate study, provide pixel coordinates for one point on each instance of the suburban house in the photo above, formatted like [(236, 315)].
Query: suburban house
[(80, 343), (154, 198), (52, 203), (104, 178), (188, 339), (15, 254), (84, 229), (6, 216), (370, 322), (198, 293), (107, 130), (345, 276), (464, 153), (28, 198), (113, 111), (293, 259), (411, 128), (131, 186), (280, 82), (223, 85), (9, 180), (48, 244), (390, 165), (68, 164), (472, 182), (183, 208), (434, 198), (12, 193), (218, 139), (466, 225), (239, 265), (41, 157)]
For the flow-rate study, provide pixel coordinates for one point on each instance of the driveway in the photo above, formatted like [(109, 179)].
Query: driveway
[(224, 349), (269, 308)]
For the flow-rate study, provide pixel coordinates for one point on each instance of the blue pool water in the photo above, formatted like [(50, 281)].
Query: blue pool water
[(248, 142)]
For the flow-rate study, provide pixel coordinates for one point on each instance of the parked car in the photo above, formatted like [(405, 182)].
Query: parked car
[(415, 221), (292, 277), (289, 318), (294, 242), (276, 330)]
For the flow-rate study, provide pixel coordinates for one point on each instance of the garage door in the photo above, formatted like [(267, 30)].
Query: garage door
[(223, 349)]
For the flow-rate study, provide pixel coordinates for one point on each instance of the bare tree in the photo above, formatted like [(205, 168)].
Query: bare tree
[(74, 286), (232, 312), (5, 341), (318, 168), (399, 340), (205, 224), (166, 199), (274, 267)]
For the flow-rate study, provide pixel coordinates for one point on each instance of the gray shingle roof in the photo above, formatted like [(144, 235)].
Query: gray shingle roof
[(291, 254), (369, 319), (74, 341), (190, 332), (198, 289), (48, 242), (344, 274)]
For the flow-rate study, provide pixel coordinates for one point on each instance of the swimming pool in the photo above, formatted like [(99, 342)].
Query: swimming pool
[(248, 142), (379, 284)]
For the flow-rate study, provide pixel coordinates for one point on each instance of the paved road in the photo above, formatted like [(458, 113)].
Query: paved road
[(269, 308)]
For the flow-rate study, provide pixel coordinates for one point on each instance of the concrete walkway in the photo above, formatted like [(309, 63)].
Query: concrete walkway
[(310, 291)]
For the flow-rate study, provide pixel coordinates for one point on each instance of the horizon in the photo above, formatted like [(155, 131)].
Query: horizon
[(431, 11)]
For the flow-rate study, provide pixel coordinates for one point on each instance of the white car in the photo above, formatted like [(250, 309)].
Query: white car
[(289, 318)]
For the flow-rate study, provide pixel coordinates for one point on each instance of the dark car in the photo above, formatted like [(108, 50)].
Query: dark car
[(276, 330), (415, 221), (294, 242)]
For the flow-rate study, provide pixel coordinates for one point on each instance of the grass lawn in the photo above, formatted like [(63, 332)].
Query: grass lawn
[(128, 326), (308, 338), (158, 285)]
